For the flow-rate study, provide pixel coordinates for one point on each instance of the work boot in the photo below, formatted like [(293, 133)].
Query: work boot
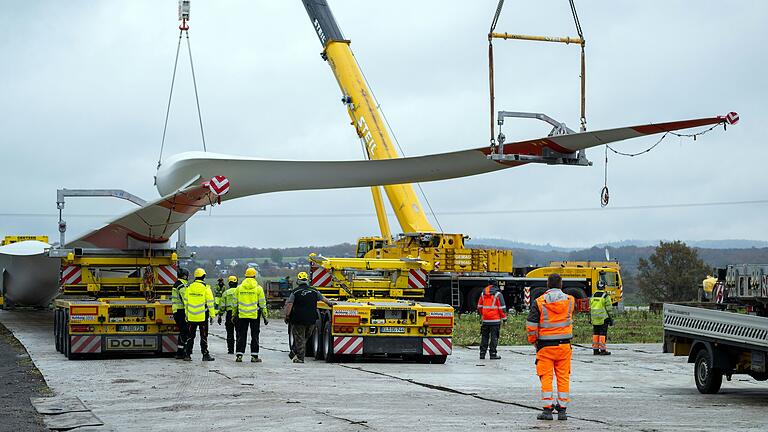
[(255, 359), (291, 355), (495, 357), (561, 415), (604, 352), (298, 360), (482, 356), (239, 358), (187, 358), (595, 352), (207, 357), (545, 414), (230, 351)]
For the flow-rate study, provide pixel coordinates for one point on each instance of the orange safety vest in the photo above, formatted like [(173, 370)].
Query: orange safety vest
[(555, 317), (489, 307)]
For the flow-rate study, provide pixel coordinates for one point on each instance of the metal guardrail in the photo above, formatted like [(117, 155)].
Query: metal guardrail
[(730, 326)]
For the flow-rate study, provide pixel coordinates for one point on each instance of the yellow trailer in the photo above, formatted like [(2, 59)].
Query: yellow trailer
[(115, 302), (378, 312)]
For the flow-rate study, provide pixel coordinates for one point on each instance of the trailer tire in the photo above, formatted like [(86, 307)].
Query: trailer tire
[(290, 338), (575, 291), (439, 359), (328, 343), (708, 379), (474, 295), (317, 338), (443, 295), (56, 330)]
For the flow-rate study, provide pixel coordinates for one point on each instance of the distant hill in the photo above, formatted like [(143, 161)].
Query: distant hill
[(708, 244)]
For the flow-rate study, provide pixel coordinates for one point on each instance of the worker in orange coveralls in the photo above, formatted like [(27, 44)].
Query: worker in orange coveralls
[(550, 328)]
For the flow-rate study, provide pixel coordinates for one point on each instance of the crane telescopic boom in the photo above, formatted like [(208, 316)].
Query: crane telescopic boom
[(366, 118)]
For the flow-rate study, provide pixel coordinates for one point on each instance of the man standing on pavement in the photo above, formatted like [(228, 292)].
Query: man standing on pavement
[(198, 301), (250, 304), (492, 311), (218, 291), (226, 309), (301, 315), (550, 329), (600, 308), (179, 311)]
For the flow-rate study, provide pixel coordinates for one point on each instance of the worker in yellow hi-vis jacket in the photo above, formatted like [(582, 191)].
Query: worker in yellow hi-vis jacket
[(251, 304)]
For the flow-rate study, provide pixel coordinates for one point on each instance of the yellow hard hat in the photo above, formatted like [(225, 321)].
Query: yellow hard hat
[(302, 276), (250, 272), (232, 278), (199, 273)]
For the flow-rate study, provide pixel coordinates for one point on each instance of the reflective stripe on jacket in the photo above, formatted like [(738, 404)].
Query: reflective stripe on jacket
[(228, 301), (599, 307), (551, 317), (250, 298), (177, 295), (197, 298), (491, 305)]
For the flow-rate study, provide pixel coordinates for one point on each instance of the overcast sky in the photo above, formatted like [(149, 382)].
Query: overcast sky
[(83, 92)]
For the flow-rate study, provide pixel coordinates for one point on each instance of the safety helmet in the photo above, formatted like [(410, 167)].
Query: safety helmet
[(232, 278), (250, 272), (601, 284), (199, 273), (302, 276), (182, 273)]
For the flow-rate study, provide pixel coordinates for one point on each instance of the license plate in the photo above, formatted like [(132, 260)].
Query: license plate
[(131, 328), (131, 343), (392, 330)]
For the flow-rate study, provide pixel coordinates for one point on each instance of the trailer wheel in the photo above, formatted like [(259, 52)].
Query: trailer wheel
[(708, 379), (56, 330), (474, 296), (290, 338), (328, 343), (440, 359), (317, 339)]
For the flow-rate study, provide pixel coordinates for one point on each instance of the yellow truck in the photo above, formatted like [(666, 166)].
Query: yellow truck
[(580, 279), (114, 301), (378, 311)]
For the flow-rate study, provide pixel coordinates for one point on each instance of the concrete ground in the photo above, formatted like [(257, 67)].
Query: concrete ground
[(638, 388)]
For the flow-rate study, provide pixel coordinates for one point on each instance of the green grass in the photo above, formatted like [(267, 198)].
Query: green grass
[(629, 327)]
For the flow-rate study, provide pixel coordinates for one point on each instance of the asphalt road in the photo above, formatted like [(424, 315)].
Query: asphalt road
[(638, 389)]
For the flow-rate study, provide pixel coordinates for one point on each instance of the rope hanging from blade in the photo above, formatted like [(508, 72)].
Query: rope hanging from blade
[(183, 29), (605, 196), (490, 72)]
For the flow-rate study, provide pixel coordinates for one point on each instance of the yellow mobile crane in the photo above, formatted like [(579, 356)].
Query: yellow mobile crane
[(458, 270), (458, 273)]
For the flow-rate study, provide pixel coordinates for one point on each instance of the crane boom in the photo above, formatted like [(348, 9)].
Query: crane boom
[(366, 119)]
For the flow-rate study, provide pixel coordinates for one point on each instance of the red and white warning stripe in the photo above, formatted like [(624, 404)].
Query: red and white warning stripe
[(71, 275), (732, 118), (321, 277), (417, 278), (166, 275), (219, 185), (348, 345), (436, 346), (169, 343), (527, 296), (85, 344)]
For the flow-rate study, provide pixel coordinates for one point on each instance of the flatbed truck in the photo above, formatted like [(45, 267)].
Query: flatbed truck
[(730, 337)]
